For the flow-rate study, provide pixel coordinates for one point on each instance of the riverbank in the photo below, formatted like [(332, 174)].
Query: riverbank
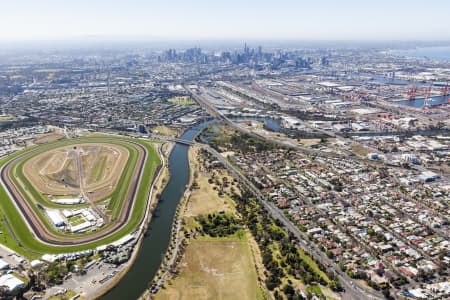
[(210, 267), (158, 236), (174, 247)]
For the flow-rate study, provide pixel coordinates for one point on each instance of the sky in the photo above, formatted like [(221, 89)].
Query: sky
[(22, 20)]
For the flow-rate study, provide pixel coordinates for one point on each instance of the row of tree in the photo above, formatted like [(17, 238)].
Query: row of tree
[(280, 253)]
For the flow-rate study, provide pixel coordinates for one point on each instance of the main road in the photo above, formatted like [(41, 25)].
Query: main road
[(202, 100), (352, 290)]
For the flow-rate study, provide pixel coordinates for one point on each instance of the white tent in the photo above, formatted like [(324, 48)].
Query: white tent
[(55, 217), (3, 264), (12, 282)]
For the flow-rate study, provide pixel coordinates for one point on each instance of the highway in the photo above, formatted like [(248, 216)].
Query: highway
[(215, 113), (352, 290)]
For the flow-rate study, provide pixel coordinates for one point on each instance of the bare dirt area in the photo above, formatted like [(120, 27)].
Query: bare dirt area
[(360, 150), (63, 171), (309, 142), (47, 138)]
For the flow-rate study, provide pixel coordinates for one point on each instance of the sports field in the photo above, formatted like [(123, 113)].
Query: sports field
[(127, 167), (181, 100), (76, 220)]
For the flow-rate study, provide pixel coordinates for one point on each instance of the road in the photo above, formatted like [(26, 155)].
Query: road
[(215, 113), (352, 291), (81, 180)]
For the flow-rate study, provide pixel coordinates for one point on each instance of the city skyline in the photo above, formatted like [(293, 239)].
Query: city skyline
[(222, 20), (256, 150)]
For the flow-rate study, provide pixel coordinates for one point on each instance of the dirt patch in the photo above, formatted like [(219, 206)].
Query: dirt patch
[(48, 138), (58, 172), (360, 150)]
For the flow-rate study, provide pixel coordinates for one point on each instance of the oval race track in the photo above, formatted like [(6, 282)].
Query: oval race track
[(41, 232)]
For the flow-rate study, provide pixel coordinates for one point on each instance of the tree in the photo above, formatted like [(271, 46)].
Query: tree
[(335, 285), (288, 290), (387, 293)]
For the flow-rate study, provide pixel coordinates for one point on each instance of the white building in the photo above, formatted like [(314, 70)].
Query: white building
[(70, 201), (55, 217), (3, 265), (80, 227), (12, 282)]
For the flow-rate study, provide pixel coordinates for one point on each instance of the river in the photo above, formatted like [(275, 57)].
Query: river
[(269, 123), (433, 53), (419, 102), (157, 239)]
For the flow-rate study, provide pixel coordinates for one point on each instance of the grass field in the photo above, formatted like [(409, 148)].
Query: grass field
[(214, 269), (205, 199), (76, 220), (18, 237), (165, 130), (181, 100), (97, 170)]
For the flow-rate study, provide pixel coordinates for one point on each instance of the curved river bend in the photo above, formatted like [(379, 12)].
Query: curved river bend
[(157, 239)]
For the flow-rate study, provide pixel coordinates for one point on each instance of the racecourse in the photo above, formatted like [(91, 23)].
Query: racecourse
[(27, 230), (55, 172)]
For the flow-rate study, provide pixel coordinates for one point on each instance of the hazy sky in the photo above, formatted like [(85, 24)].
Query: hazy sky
[(226, 19)]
